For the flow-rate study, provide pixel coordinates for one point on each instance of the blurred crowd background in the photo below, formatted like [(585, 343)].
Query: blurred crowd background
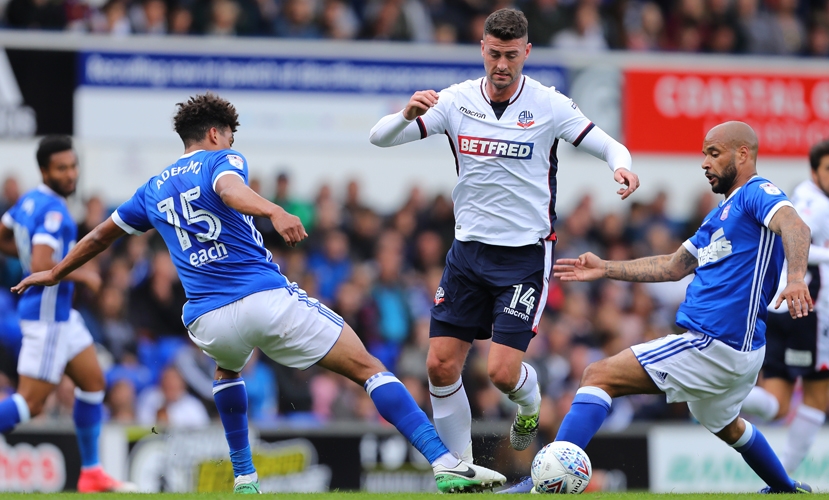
[(379, 271), (790, 27)]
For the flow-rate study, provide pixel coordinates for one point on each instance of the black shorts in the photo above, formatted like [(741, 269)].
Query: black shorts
[(792, 347), (492, 291)]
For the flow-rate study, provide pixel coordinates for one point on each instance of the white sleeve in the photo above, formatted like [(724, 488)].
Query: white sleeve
[(7, 220), (818, 255), (596, 142), (393, 130), (570, 124)]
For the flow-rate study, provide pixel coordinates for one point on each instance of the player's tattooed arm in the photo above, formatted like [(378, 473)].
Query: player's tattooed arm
[(796, 238), (653, 269), (589, 267)]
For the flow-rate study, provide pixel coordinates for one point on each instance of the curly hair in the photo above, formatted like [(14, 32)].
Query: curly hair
[(50, 145), (506, 24), (201, 113), (817, 153)]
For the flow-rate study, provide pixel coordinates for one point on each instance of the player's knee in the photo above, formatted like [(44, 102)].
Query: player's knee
[(732, 432), (502, 377), (35, 405), (93, 383), (592, 375), (442, 372)]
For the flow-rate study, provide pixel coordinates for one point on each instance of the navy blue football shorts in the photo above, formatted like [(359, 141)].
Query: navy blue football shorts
[(793, 346), (492, 291)]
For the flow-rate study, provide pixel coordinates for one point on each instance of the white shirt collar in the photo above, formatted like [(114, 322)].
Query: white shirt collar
[(191, 153)]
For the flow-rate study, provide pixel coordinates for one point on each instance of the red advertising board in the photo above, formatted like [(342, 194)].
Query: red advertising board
[(670, 111)]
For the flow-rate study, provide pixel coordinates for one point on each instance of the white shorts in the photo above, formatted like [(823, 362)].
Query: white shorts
[(712, 377), (288, 326), (49, 345)]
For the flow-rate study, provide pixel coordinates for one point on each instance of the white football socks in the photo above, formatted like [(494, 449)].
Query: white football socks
[(761, 403), (453, 416), (803, 429), (525, 393)]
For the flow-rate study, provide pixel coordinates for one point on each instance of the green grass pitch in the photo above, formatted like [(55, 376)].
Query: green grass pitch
[(378, 496)]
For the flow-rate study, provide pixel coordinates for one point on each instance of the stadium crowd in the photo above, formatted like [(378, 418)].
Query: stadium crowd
[(789, 27), (380, 272)]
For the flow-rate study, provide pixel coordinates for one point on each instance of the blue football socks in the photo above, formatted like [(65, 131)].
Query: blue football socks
[(232, 402), (761, 458), (586, 415), (13, 410), (87, 414), (396, 405)]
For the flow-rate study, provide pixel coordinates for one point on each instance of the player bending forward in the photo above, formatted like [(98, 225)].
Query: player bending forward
[(504, 129), (238, 299), (39, 229), (736, 257)]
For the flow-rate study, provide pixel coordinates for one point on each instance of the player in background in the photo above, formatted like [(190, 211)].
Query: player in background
[(237, 297), (503, 129), (801, 348), (736, 256), (39, 230)]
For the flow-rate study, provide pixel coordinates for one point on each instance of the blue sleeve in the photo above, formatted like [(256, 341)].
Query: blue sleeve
[(49, 229), (228, 162), (763, 199), (132, 215)]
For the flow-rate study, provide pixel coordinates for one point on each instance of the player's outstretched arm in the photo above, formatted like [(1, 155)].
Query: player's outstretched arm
[(796, 238), (98, 240), (237, 195), (398, 128), (42, 260), (589, 267)]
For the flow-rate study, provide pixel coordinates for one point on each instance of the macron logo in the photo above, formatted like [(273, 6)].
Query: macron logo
[(478, 146)]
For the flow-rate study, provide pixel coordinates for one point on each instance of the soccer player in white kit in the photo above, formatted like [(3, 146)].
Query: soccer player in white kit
[(503, 129), (39, 230), (239, 300), (800, 348), (736, 256)]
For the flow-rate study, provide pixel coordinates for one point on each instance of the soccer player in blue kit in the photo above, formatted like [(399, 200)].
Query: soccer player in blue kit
[(39, 230), (736, 256), (238, 299)]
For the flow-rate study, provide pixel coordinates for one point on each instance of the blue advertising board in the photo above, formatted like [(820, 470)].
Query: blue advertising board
[(301, 74)]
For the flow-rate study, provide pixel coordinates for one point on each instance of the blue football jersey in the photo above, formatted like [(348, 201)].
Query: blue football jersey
[(217, 251), (739, 263), (40, 217)]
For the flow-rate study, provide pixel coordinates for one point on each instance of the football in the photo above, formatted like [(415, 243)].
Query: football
[(561, 467)]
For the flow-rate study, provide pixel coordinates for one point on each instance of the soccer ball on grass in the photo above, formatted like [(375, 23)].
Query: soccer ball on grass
[(561, 467)]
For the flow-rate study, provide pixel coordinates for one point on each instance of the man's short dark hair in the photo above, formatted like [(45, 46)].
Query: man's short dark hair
[(817, 153), (201, 113), (506, 24), (50, 145)]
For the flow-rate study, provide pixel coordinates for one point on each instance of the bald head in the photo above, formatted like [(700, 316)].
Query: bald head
[(734, 135)]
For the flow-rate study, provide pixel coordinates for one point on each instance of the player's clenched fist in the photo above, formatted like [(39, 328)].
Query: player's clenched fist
[(420, 103), (289, 227)]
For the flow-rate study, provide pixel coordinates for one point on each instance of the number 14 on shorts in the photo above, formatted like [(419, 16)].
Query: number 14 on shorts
[(525, 299)]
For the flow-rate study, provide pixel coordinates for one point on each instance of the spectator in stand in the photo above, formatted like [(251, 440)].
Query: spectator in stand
[(10, 193), (120, 401), (297, 20), (170, 405), (149, 17), (330, 266), (586, 34), (111, 19)]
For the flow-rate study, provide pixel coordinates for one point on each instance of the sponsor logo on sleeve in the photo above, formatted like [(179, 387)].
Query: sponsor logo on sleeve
[(770, 188), (480, 146), (236, 161), (52, 221)]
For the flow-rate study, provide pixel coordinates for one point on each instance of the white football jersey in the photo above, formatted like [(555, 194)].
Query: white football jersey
[(506, 190), (812, 205)]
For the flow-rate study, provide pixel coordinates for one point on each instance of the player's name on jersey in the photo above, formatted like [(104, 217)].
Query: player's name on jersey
[(194, 167)]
